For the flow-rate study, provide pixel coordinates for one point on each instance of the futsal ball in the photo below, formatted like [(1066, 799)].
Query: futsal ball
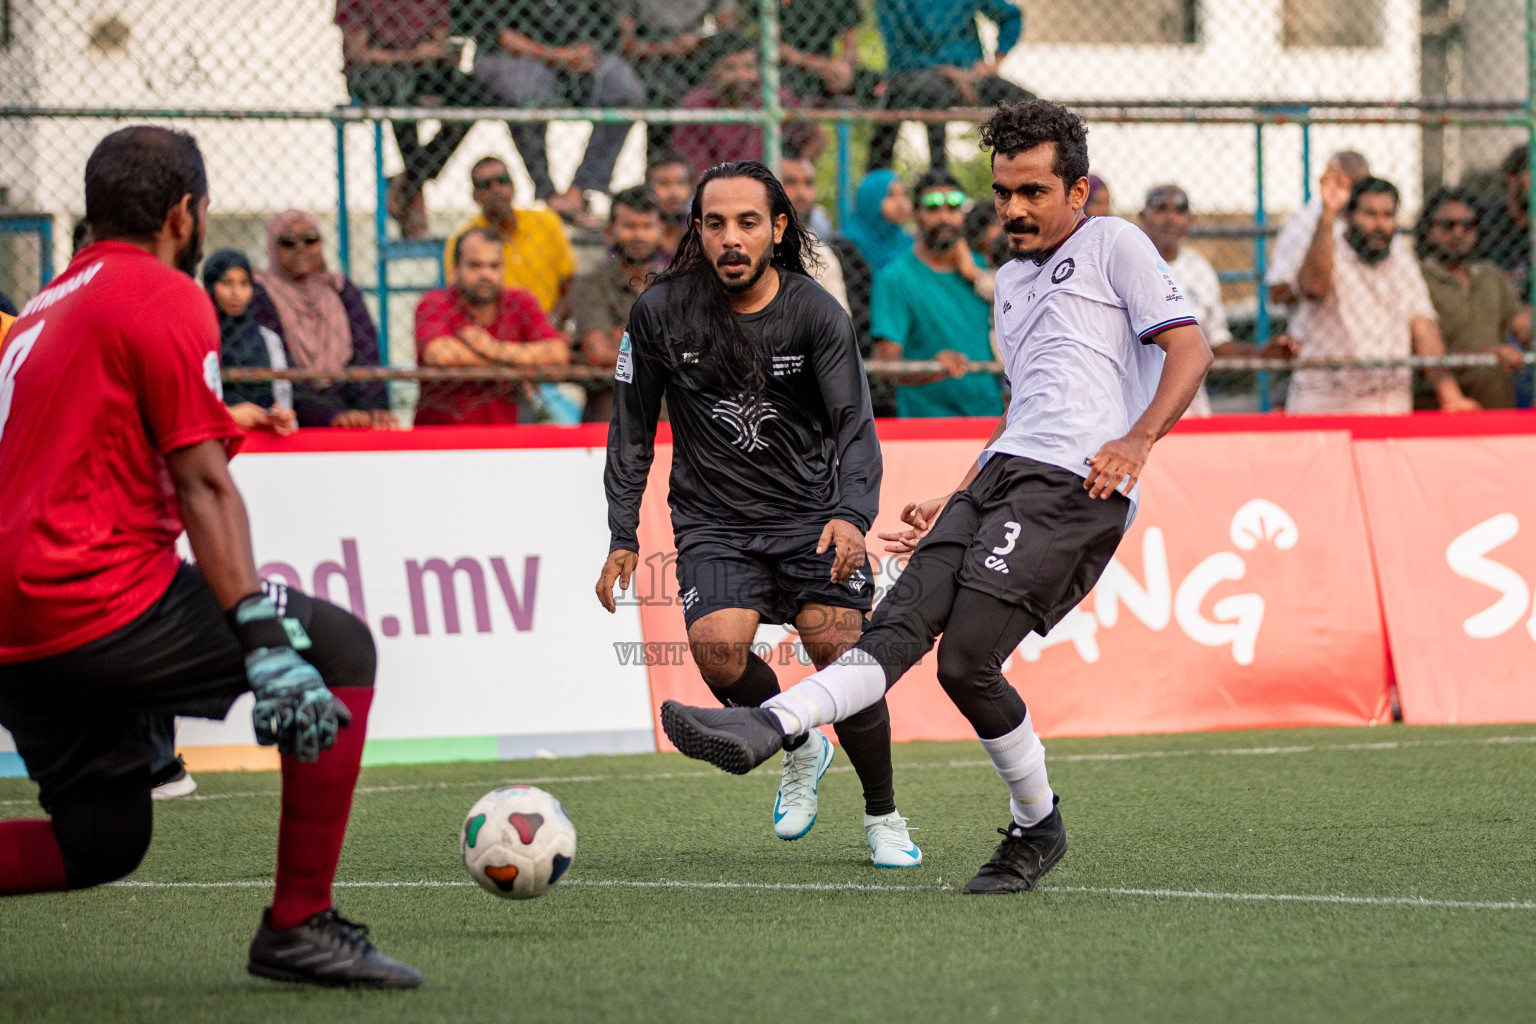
[(517, 842)]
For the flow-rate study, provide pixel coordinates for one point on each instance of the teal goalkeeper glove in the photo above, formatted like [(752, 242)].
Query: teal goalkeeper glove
[(293, 707)]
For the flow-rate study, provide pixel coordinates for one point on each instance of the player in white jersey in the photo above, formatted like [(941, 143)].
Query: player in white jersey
[(1103, 356)]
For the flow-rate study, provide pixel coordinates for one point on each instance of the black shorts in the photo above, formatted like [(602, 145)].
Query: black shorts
[(1033, 536), (88, 714), (773, 576)]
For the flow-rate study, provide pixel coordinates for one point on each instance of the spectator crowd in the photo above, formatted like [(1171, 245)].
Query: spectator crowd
[(912, 262)]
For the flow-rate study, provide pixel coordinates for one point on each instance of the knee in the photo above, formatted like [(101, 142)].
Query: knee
[(342, 647), (720, 663), (961, 670), (104, 833)]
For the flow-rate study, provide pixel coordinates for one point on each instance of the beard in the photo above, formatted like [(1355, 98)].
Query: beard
[(941, 237), (1363, 242), (191, 254), (735, 259), (1028, 249), (637, 254)]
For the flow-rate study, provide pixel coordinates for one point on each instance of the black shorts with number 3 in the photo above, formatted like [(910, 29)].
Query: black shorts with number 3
[(1033, 536), (773, 576)]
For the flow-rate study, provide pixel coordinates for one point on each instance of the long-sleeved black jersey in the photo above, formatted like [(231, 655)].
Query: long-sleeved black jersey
[(807, 454)]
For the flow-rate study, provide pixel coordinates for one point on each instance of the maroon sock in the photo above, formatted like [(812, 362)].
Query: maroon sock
[(30, 859), (317, 797)]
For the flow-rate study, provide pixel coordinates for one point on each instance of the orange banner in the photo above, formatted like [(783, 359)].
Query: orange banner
[(1242, 597), (1453, 529)]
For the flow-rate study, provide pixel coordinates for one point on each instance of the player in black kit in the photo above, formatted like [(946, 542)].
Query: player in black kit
[(775, 471)]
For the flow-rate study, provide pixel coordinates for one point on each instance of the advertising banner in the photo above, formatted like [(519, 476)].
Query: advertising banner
[(475, 571), (1453, 527), (1242, 597)]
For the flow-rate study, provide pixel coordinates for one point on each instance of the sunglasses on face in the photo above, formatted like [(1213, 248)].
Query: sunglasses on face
[(1464, 223), (290, 242), (481, 184), (934, 200)]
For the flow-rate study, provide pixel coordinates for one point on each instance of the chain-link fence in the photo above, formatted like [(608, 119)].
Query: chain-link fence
[(395, 125)]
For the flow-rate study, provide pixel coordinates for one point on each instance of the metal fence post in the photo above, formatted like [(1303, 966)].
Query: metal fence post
[(1530, 141), (343, 229), (773, 110), (381, 239), (1260, 263)]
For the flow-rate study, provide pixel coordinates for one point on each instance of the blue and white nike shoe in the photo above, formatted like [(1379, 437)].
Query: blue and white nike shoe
[(890, 845), (794, 812)]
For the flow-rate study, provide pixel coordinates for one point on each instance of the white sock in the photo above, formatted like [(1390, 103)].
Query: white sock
[(847, 686), (1019, 758)]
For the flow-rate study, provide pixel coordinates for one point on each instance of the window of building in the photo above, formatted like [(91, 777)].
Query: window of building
[(1331, 23), (1111, 21)]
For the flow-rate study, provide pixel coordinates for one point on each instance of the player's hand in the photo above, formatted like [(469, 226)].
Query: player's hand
[(293, 707), (1460, 403), (920, 515), (849, 542), (955, 364), (1118, 460), (1281, 346), (619, 567)]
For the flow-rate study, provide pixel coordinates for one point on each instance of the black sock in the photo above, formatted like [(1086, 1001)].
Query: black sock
[(866, 739), (756, 685)]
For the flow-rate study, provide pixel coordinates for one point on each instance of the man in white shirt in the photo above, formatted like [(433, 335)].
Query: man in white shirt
[(1104, 355), (1166, 219), (1296, 233), (1362, 297)]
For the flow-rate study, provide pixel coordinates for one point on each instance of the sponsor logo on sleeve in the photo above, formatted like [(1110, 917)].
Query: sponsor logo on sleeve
[(624, 372)]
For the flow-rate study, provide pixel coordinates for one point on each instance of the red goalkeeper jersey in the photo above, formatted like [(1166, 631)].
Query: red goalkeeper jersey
[(110, 367)]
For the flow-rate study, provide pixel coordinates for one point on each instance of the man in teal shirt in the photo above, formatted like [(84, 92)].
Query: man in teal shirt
[(935, 303)]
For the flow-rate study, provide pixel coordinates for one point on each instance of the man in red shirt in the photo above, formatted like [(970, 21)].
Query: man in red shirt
[(113, 439), (478, 322)]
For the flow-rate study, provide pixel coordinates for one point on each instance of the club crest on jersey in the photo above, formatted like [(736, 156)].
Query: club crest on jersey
[(746, 420), (1063, 270)]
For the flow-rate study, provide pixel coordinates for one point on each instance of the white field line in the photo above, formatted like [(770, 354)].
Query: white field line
[(1136, 755), (1162, 894)]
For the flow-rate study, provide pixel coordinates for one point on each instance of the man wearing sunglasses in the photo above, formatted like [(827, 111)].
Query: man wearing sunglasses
[(536, 252), (1478, 308), (934, 302)]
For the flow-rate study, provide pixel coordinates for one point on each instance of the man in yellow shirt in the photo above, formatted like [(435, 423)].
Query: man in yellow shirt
[(536, 251), (5, 324)]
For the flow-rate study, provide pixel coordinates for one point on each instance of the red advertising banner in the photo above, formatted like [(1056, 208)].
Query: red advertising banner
[(1453, 529), (1242, 597)]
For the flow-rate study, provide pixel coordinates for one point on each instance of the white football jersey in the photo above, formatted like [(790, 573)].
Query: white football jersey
[(1075, 334)]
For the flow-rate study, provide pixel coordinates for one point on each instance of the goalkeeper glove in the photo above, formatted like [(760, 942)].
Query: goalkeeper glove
[(293, 707)]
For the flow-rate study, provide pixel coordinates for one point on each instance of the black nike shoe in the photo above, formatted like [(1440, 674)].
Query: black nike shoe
[(732, 739), (326, 949), (1023, 856)]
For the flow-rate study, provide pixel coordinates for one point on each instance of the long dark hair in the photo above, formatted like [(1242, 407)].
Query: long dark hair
[(698, 294)]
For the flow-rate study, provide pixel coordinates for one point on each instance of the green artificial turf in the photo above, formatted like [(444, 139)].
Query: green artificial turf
[(1438, 814)]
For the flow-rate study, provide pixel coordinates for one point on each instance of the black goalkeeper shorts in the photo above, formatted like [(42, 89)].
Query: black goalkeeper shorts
[(773, 576), (1033, 536), (87, 714)]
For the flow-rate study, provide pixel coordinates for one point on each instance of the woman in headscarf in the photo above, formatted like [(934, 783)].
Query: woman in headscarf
[(323, 323), (245, 344), (880, 208)]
